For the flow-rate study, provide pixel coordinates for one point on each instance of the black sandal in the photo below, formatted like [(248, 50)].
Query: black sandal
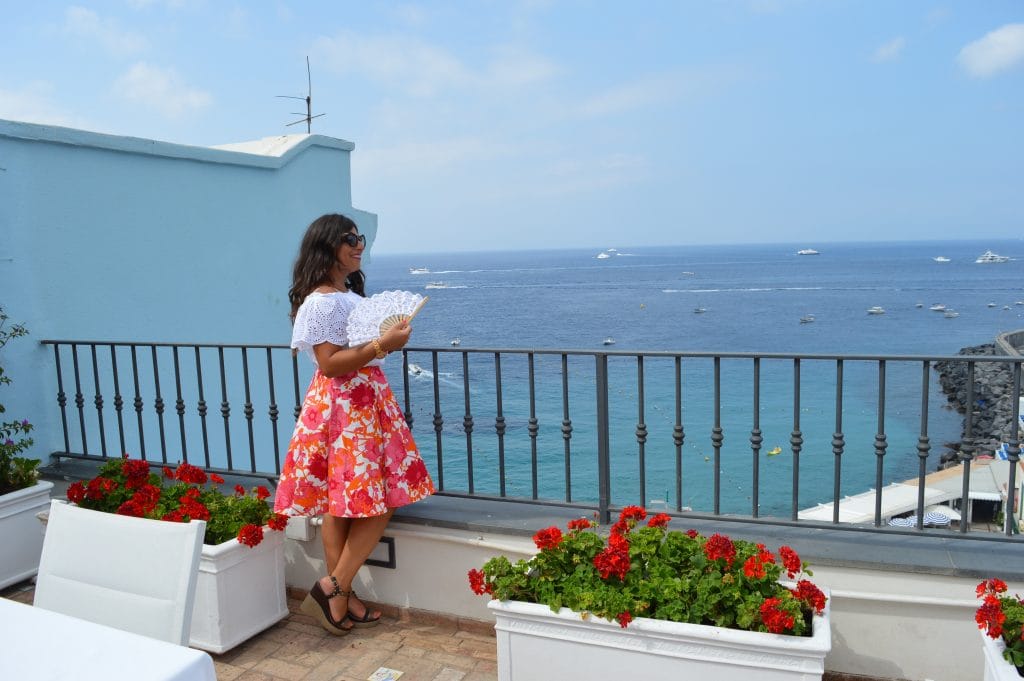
[(318, 607), (365, 620)]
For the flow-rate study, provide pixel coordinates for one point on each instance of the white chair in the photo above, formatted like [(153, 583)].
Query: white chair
[(133, 574)]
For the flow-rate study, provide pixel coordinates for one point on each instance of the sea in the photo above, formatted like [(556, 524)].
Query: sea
[(752, 298)]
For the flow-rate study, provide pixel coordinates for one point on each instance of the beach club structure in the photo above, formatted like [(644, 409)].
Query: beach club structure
[(152, 278)]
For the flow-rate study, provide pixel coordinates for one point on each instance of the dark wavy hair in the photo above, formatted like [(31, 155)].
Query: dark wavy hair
[(318, 254)]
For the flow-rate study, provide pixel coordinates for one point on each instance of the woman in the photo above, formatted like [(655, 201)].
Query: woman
[(351, 458)]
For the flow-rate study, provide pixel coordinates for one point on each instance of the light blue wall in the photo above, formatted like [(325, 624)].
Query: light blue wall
[(116, 238)]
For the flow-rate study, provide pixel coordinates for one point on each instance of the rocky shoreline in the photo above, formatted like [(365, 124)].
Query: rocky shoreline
[(992, 418)]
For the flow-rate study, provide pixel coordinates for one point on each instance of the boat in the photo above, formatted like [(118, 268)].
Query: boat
[(415, 369), (991, 305), (603, 255), (919, 305), (876, 309), (940, 258), (418, 270), (699, 310), (435, 284), (807, 319), (456, 342), (609, 341), (950, 314), (938, 307), (990, 257), (807, 251)]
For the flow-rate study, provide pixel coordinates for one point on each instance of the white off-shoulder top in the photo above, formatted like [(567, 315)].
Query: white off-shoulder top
[(322, 318)]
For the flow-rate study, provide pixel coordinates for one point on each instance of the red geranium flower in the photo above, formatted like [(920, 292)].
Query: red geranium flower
[(579, 524), (718, 547), (250, 535), (548, 539)]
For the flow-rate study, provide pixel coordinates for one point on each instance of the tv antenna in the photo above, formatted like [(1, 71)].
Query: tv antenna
[(309, 102)]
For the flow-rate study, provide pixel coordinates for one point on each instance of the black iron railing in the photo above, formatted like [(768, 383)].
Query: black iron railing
[(593, 430)]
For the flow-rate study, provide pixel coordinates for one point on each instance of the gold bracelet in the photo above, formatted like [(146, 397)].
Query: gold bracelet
[(380, 351)]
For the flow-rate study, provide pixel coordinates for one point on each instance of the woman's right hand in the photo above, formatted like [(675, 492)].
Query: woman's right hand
[(396, 337)]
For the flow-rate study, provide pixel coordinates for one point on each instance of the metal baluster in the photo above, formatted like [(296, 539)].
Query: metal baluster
[(247, 409), (201, 408), (880, 443), (756, 439), (922, 445), (967, 450), (499, 423), (467, 420), (138, 401), (604, 487), (532, 428), (295, 386), (118, 400), (1013, 456), (225, 406), (272, 411), (716, 436), (62, 398), (641, 430), (98, 400), (837, 444), (566, 428), (179, 403), (796, 439), (438, 422), (678, 434), (158, 404), (79, 398)]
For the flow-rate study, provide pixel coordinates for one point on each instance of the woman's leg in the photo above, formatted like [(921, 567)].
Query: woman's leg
[(363, 536), (334, 535)]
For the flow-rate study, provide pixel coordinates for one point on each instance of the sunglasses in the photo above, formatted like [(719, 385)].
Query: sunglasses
[(353, 239)]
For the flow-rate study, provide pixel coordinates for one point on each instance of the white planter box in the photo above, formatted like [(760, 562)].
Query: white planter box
[(240, 592), (536, 643), (21, 533), (996, 666)]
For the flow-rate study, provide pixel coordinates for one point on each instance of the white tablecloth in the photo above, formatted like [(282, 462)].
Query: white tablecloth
[(41, 645)]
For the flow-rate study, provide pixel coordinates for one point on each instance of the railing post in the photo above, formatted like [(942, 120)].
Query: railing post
[(603, 458)]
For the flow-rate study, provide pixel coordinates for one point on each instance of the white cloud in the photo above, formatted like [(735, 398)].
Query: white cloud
[(33, 104), (85, 23), (1000, 50), (890, 51), (161, 89)]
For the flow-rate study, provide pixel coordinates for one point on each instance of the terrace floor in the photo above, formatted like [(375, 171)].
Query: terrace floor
[(423, 647)]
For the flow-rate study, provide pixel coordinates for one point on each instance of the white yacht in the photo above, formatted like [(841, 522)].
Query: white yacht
[(876, 309), (456, 342), (989, 257), (415, 369), (700, 309), (418, 270), (950, 314), (603, 255), (807, 319), (940, 258), (938, 307), (807, 251), (609, 341), (436, 284)]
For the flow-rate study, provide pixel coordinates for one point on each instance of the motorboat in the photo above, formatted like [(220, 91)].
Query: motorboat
[(807, 251), (919, 305), (603, 255), (435, 284), (807, 319), (938, 307), (418, 270), (991, 305), (456, 342), (876, 309), (940, 258), (699, 310), (609, 341), (415, 369), (990, 257), (950, 314)]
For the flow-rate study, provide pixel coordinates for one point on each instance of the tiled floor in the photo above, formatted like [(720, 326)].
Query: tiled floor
[(423, 647)]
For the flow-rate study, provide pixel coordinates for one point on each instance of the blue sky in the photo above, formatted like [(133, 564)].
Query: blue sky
[(548, 123)]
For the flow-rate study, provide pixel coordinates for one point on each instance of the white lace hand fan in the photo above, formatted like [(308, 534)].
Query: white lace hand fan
[(374, 315)]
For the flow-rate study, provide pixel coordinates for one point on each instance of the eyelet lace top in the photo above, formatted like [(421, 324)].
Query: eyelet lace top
[(322, 318)]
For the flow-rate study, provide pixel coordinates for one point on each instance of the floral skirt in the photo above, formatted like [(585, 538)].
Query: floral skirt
[(351, 454)]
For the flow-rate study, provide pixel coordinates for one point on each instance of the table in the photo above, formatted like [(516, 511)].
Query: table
[(42, 645)]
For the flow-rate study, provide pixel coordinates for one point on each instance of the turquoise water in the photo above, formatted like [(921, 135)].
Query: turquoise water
[(644, 299)]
